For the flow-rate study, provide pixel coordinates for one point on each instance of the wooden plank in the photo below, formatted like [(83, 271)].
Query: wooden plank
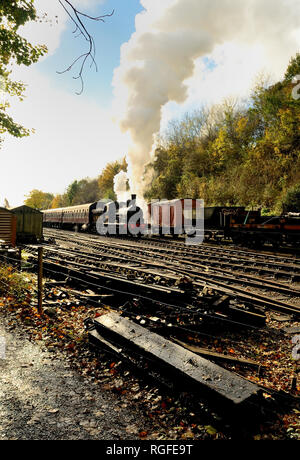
[(215, 355), (198, 370)]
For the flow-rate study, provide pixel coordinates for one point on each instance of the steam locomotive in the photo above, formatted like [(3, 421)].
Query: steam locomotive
[(104, 217), (243, 227)]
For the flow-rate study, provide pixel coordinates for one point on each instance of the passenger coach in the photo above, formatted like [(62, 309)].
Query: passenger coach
[(74, 216)]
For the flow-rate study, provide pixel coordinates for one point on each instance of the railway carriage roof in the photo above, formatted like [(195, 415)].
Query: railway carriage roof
[(80, 207)]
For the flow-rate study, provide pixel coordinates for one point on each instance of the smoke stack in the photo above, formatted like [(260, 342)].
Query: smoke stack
[(132, 202)]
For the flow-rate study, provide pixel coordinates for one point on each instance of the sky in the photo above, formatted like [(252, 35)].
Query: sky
[(156, 60)]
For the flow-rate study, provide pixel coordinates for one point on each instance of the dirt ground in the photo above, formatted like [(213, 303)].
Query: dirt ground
[(41, 397)]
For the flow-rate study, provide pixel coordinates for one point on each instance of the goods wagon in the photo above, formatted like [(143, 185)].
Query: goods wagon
[(7, 227), (171, 217), (251, 228), (177, 217), (29, 224)]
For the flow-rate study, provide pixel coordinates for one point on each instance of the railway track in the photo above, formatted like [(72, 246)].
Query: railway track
[(207, 252), (161, 265), (276, 268), (148, 272), (181, 294)]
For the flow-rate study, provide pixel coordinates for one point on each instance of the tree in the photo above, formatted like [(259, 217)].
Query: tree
[(106, 178), (15, 49), (59, 201), (293, 68), (85, 191), (39, 200), (291, 203), (71, 192), (235, 155)]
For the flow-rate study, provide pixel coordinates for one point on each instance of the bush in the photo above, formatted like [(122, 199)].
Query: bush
[(13, 284)]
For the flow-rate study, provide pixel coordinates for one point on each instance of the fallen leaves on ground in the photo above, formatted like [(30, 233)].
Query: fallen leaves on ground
[(62, 331)]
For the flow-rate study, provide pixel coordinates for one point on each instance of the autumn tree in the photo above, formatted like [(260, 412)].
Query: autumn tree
[(235, 154), (39, 200), (90, 190), (59, 201), (106, 178)]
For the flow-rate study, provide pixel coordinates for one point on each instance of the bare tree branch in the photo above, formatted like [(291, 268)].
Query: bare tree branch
[(77, 18)]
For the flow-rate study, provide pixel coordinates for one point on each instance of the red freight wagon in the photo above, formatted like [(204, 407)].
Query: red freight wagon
[(173, 217)]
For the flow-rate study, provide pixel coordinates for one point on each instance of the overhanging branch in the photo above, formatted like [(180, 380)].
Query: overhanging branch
[(81, 30)]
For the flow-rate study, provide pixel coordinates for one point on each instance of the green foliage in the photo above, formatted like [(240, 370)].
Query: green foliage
[(234, 155), (293, 68), (71, 192), (91, 190), (15, 49), (291, 202), (83, 191)]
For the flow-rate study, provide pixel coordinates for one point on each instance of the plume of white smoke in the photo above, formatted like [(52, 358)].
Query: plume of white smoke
[(123, 190), (160, 56), (120, 187)]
